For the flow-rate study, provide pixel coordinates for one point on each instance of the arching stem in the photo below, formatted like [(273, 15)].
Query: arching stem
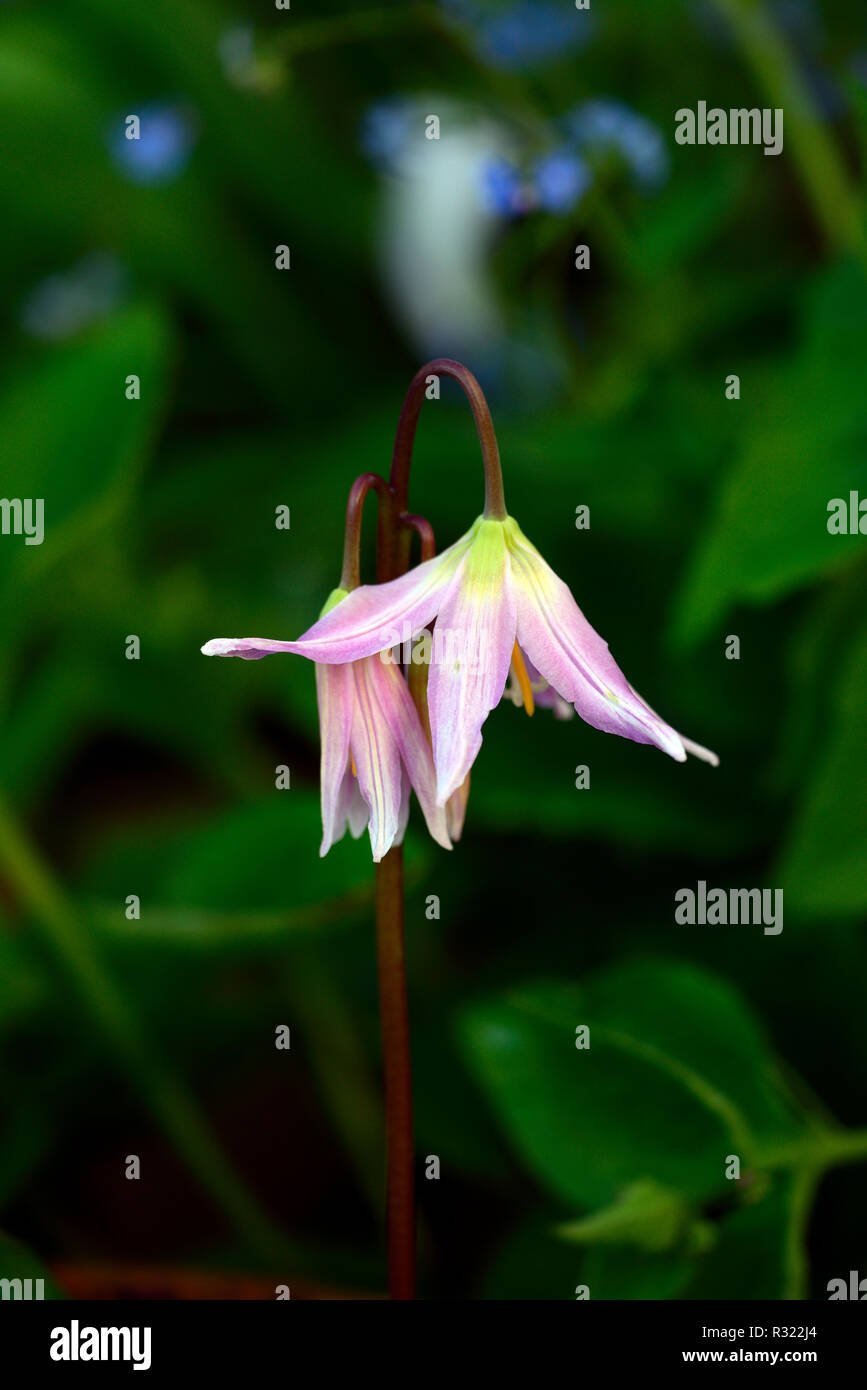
[(495, 503), (351, 575)]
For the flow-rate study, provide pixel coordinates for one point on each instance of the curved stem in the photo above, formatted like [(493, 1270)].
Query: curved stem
[(495, 503), (351, 575), (826, 1149), (424, 531)]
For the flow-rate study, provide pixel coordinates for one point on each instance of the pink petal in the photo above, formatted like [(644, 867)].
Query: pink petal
[(250, 648), (403, 818), (377, 761), (376, 617), (473, 642), (356, 810), (574, 659), (335, 687), (456, 809), (399, 712)]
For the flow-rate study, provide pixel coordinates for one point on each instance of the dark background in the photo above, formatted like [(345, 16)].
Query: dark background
[(263, 388)]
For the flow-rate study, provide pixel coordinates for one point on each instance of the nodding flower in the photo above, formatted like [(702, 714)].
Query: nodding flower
[(505, 625), (502, 605), (374, 748)]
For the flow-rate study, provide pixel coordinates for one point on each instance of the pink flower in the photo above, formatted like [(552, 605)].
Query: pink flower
[(497, 604), (374, 748)]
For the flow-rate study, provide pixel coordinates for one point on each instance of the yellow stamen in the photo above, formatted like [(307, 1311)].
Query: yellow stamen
[(523, 679), (354, 768)]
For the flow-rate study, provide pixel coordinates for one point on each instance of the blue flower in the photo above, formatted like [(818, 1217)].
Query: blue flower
[(66, 302), (560, 178), (502, 188), (161, 153), (529, 32), (604, 126), (386, 130)]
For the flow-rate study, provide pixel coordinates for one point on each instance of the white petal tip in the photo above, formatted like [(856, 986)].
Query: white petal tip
[(704, 754), (219, 646), (706, 757)]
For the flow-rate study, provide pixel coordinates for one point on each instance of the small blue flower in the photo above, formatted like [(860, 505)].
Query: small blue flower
[(66, 302), (502, 188), (161, 153), (604, 126), (386, 130), (561, 179), (525, 34)]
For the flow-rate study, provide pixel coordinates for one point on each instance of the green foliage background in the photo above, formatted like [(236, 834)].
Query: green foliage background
[(156, 777)]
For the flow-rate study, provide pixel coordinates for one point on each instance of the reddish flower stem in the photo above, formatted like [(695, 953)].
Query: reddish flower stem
[(394, 536), (425, 533), (394, 539), (393, 550), (351, 576), (397, 1066), (495, 503)]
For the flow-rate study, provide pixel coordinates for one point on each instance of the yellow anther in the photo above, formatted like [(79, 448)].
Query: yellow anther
[(354, 768), (523, 679)]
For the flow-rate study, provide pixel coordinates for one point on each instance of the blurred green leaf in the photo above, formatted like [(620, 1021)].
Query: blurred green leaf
[(265, 855), (803, 444), (824, 863), (250, 877), (530, 1263), (645, 1215), (752, 1256), (69, 435), (676, 1077), (619, 1272)]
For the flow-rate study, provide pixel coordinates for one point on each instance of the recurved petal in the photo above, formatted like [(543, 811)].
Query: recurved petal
[(377, 760), (456, 809), (334, 692), (472, 651), (399, 712), (695, 749), (698, 751), (250, 648), (573, 658), (375, 617)]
